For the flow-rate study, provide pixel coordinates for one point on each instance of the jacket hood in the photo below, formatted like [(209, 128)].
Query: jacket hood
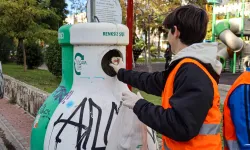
[(205, 52)]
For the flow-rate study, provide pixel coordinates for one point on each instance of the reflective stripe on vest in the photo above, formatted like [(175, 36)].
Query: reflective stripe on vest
[(165, 146), (210, 129), (232, 144), (206, 129)]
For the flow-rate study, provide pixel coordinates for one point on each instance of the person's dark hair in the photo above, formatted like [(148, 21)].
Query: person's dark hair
[(191, 21)]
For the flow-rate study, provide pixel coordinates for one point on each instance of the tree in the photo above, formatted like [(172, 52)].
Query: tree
[(59, 7), (78, 6), (22, 19), (209, 10), (150, 15), (159, 29), (124, 11)]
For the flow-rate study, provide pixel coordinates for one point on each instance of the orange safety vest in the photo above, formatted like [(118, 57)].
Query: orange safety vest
[(229, 133), (209, 136)]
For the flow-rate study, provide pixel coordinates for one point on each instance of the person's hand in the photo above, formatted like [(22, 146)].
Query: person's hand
[(117, 64), (130, 98)]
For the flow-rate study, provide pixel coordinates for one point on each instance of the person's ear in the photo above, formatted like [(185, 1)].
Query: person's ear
[(176, 32)]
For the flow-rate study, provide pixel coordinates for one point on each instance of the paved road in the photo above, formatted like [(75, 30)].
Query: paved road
[(226, 77)]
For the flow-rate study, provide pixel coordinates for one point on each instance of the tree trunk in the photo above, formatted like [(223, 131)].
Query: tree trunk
[(21, 45), (134, 40), (145, 49), (159, 44), (149, 53), (134, 28)]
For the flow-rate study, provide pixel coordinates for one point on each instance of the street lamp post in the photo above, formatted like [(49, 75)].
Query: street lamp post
[(92, 10), (130, 26)]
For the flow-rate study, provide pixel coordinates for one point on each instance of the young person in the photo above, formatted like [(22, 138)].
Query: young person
[(236, 131), (189, 118)]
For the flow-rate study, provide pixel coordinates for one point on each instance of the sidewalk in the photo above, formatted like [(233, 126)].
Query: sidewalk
[(15, 126)]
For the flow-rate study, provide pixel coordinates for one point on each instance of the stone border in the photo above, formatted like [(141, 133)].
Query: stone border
[(26, 96)]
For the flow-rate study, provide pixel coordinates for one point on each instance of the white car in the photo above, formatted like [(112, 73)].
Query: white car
[(1, 82)]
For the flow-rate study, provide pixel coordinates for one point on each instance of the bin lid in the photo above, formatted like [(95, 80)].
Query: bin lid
[(99, 34)]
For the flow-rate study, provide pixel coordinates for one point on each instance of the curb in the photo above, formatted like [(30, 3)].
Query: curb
[(15, 135)]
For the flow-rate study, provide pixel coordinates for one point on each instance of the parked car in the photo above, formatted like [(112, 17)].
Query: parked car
[(1, 82)]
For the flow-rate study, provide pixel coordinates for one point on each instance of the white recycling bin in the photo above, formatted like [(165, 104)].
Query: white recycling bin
[(85, 117)]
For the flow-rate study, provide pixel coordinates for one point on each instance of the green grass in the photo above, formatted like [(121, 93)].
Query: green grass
[(151, 98), (41, 79)]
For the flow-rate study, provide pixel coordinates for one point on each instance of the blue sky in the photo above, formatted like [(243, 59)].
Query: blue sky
[(69, 3)]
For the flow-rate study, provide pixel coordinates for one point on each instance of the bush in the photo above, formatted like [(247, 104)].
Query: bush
[(153, 49), (34, 56), (4, 54), (138, 48), (53, 58), (6, 45), (19, 56)]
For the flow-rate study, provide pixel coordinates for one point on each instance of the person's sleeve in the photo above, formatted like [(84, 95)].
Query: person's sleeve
[(191, 101), (237, 104), (151, 83)]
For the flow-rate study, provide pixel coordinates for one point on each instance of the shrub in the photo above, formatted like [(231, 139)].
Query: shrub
[(19, 56), (6, 45), (53, 58), (4, 54), (138, 48), (33, 54)]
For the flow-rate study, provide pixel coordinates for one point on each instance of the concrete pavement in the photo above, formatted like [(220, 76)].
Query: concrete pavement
[(7, 140), (15, 127)]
